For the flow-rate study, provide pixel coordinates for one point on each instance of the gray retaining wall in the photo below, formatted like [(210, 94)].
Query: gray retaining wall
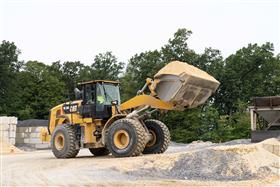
[(30, 137)]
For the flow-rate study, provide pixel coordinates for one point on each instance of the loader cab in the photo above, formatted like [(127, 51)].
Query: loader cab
[(97, 98)]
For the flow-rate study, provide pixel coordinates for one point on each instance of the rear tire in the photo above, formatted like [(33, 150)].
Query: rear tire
[(125, 138), (101, 151), (161, 137), (63, 141)]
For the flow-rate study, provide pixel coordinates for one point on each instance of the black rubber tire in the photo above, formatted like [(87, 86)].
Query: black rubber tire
[(162, 136), (136, 134), (69, 149), (101, 151)]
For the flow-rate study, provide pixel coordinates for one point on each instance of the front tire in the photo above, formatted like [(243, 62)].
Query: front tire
[(160, 137), (63, 141), (125, 138)]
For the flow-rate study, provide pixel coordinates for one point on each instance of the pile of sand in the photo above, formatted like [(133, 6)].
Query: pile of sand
[(217, 162), (6, 148)]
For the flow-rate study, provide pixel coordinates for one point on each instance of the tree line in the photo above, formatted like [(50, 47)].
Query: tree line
[(28, 89)]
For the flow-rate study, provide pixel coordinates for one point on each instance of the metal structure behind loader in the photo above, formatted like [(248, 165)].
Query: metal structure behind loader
[(267, 108), (97, 120)]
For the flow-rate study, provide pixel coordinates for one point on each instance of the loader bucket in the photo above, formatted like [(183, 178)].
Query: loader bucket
[(184, 85)]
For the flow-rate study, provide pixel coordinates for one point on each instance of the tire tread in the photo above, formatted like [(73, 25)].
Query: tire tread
[(166, 134), (140, 136), (72, 152)]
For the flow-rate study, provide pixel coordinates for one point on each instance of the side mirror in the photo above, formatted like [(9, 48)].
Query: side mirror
[(114, 103), (78, 94)]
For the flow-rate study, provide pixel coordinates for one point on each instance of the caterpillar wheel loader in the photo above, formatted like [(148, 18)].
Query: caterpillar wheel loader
[(98, 121)]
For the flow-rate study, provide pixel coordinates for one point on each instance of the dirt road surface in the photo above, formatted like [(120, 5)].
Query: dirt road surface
[(236, 163)]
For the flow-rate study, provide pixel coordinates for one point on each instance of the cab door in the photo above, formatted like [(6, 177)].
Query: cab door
[(89, 101), (103, 109)]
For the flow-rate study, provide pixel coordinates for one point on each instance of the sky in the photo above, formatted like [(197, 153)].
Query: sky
[(77, 30)]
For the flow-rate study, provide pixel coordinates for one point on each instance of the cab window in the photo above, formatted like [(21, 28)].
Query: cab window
[(89, 94)]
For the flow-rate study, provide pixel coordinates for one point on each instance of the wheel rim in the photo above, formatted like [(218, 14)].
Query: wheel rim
[(153, 140), (59, 141), (121, 139)]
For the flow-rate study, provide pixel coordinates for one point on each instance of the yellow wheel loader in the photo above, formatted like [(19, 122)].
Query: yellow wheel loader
[(97, 120)]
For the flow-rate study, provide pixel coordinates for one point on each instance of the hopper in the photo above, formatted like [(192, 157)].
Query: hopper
[(184, 85), (268, 108)]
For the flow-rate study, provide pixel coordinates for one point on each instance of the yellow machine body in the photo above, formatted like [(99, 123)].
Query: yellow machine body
[(58, 117)]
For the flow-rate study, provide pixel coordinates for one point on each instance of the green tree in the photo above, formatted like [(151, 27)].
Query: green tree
[(177, 48), (106, 67), (140, 67), (39, 91), (9, 66), (70, 73), (210, 61), (252, 71), (73, 72)]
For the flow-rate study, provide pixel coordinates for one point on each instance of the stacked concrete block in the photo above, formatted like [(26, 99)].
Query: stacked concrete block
[(8, 129), (30, 137)]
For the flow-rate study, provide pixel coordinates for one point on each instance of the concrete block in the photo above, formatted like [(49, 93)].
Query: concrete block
[(42, 146), (27, 135), (20, 135), (4, 127), (34, 135), (4, 134), (8, 120), (12, 141), (32, 129), (12, 120), (35, 141), (3, 120), (12, 134), (26, 140), (38, 129), (27, 129), (18, 129), (19, 140), (13, 127), (35, 129), (23, 129)]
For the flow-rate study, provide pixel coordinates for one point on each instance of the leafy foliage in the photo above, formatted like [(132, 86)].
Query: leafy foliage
[(106, 66)]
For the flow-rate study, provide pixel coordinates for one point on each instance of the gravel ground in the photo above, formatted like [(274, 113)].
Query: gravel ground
[(235, 163)]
